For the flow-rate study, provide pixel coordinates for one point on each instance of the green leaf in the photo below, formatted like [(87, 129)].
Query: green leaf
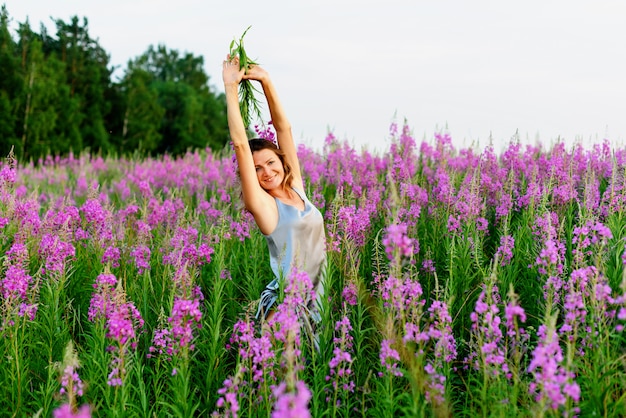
[(249, 105)]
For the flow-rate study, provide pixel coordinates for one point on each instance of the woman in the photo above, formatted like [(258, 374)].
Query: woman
[(273, 191)]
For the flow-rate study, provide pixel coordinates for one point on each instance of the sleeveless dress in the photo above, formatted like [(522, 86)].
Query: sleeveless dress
[(299, 241)]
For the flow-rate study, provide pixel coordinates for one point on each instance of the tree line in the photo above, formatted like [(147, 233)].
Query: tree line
[(57, 96)]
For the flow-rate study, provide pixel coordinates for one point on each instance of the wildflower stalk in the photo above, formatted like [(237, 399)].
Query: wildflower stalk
[(50, 326), (553, 383), (71, 384), (340, 364), (116, 324), (214, 317), (18, 370), (184, 404), (248, 103), (516, 337)]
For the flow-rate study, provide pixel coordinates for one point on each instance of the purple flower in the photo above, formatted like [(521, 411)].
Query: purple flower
[(228, 400), (428, 266), (209, 210), (186, 316), (402, 152), (504, 253), (416, 198), (482, 224), (350, 294), (266, 132), (575, 310), (66, 411), (183, 249), (102, 301), (285, 322), (161, 342), (512, 313), (112, 255), (442, 191), (178, 336), (55, 253), (98, 219), (549, 254), (256, 352), (435, 388), (27, 310), (241, 229), (389, 358), (18, 254), (487, 335), (404, 297), (468, 204), (349, 173), (15, 283), (587, 240), (550, 263), (121, 323), (71, 385), (70, 381), (341, 361), (454, 226), (121, 320), (440, 331), (397, 242), (164, 214), (141, 254), (504, 206), (552, 383), (292, 404), (8, 173), (354, 223)]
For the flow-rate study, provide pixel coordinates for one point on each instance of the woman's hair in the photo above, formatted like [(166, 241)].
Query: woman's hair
[(258, 144)]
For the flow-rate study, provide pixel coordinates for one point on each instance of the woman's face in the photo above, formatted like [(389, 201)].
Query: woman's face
[(269, 169)]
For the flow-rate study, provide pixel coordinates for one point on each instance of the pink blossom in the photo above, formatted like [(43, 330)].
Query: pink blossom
[(292, 404)]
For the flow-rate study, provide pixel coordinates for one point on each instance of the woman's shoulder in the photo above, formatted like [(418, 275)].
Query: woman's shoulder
[(300, 192)]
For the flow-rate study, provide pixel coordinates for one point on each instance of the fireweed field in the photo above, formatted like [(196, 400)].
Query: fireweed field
[(460, 283)]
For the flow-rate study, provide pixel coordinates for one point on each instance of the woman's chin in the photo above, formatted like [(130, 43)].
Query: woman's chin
[(270, 186), (267, 187)]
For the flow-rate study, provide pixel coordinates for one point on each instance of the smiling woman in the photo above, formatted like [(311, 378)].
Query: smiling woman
[(270, 164), (273, 192)]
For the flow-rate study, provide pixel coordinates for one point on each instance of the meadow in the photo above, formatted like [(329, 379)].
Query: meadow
[(463, 283)]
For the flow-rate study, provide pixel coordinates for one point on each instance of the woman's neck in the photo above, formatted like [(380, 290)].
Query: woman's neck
[(281, 192)]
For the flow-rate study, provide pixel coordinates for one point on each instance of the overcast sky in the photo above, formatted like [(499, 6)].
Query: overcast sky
[(477, 69)]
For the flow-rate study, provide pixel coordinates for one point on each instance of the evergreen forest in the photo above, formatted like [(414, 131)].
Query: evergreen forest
[(59, 95)]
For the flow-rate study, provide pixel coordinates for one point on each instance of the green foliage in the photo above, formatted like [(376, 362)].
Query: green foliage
[(249, 105), (11, 86), (189, 385), (57, 96)]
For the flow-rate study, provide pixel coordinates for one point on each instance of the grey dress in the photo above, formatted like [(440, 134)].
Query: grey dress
[(298, 241)]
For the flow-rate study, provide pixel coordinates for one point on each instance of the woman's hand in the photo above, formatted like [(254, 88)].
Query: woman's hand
[(231, 74), (257, 73)]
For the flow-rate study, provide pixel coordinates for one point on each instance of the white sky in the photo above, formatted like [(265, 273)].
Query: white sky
[(479, 69)]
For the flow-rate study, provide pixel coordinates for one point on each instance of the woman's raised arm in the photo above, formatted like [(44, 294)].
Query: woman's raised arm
[(256, 200), (279, 121)]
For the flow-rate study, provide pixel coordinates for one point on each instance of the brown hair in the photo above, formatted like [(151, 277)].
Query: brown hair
[(258, 144)]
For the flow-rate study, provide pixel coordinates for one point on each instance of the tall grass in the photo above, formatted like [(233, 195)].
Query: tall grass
[(459, 283)]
